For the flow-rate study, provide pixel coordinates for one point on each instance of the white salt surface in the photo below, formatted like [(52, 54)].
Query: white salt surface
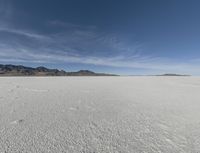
[(100, 114)]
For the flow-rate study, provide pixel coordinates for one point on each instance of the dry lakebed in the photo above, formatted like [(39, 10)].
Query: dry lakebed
[(146, 114)]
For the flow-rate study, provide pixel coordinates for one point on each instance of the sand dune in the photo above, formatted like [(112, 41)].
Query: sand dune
[(100, 114)]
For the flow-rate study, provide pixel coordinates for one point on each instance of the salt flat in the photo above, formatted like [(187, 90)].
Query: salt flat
[(100, 114)]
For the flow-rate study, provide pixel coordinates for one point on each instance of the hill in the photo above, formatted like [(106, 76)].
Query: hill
[(19, 70), (172, 74)]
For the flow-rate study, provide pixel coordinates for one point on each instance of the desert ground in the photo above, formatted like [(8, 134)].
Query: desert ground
[(100, 114)]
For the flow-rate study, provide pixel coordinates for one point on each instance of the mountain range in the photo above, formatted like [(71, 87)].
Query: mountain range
[(19, 70)]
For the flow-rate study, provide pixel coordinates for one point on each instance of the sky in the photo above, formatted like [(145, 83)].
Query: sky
[(128, 37)]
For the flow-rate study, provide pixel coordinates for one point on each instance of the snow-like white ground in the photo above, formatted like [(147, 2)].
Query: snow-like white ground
[(100, 114)]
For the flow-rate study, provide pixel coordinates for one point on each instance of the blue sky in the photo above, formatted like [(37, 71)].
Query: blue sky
[(114, 36)]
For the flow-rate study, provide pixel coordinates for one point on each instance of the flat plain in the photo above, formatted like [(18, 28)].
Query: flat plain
[(100, 114)]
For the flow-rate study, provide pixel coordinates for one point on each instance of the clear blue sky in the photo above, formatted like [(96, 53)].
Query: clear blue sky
[(115, 36)]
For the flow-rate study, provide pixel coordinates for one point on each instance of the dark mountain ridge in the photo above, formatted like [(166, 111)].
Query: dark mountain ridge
[(19, 70)]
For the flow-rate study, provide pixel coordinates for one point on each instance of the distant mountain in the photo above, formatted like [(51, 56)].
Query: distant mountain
[(19, 70), (172, 74)]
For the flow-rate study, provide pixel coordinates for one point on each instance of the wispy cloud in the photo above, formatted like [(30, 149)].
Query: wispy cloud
[(160, 64), (68, 25), (23, 33), (83, 45)]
